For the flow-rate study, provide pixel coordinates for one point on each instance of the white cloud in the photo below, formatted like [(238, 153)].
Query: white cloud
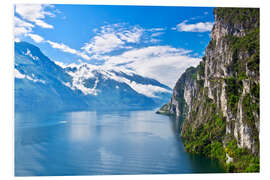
[(113, 37), (21, 30), (29, 16), (61, 64), (43, 24), (148, 90), (131, 36), (103, 43), (64, 65), (157, 34), (156, 29), (153, 40), (35, 13), (154, 34), (197, 27), (21, 27), (62, 47), (163, 63), (67, 49), (121, 36), (36, 38)]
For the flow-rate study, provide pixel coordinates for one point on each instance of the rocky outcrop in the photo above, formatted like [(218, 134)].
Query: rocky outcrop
[(221, 105), (183, 93)]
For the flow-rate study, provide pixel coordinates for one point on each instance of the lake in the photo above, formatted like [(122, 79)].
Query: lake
[(102, 143)]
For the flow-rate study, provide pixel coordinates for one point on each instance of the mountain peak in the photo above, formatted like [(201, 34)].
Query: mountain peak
[(27, 49), (83, 86)]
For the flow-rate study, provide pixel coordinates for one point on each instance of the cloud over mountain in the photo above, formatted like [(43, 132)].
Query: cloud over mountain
[(35, 13), (145, 49), (196, 27), (113, 37), (159, 62)]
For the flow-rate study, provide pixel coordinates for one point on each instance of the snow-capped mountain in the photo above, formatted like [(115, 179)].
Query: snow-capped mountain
[(41, 83)]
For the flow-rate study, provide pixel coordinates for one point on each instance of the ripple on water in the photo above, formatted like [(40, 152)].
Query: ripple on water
[(92, 143)]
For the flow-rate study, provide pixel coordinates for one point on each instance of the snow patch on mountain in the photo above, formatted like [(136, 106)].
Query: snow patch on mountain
[(86, 71), (145, 89), (79, 77), (19, 75), (28, 53)]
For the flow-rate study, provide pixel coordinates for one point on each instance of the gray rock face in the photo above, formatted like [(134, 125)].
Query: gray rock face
[(183, 93), (226, 78)]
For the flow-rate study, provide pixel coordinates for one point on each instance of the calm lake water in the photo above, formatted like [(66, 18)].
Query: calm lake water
[(95, 143)]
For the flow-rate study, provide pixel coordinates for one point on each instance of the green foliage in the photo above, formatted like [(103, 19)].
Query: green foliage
[(200, 83), (212, 44), (253, 167), (208, 137), (217, 151), (233, 90), (255, 90), (182, 106), (249, 107), (194, 76), (201, 68), (230, 167), (249, 44), (219, 121), (245, 16), (243, 160), (192, 72), (165, 110), (254, 62), (242, 76)]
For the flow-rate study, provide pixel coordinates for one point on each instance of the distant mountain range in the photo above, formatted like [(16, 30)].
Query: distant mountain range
[(41, 84)]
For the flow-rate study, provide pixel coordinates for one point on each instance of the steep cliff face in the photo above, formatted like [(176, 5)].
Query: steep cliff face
[(221, 106), (183, 93)]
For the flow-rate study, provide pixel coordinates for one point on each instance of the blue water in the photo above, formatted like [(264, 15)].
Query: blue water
[(95, 143)]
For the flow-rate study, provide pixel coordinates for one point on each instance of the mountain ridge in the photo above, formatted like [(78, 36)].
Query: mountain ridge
[(40, 84)]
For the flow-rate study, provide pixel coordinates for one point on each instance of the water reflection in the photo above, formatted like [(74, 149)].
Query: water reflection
[(80, 125), (91, 143)]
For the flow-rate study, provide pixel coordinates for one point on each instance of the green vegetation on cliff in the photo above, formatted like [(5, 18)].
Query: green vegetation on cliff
[(205, 130), (245, 16), (210, 139), (248, 44), (243, 160), (207, 138), (222, 121)]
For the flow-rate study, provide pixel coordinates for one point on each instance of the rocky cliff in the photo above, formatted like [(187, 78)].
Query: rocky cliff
[(219, 99), (183, 93)]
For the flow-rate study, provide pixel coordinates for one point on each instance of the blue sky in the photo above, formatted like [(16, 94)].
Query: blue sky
[(150, 40)]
